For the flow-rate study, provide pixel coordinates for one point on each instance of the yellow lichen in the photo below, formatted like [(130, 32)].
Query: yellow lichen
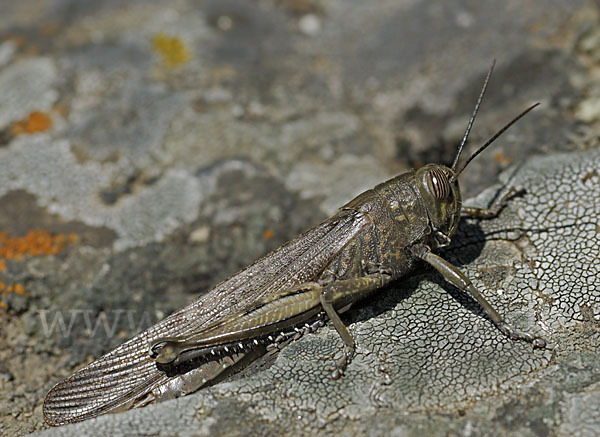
[(171, 48)]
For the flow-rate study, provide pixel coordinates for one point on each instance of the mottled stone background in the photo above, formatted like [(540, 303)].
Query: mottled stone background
[(150, 149)]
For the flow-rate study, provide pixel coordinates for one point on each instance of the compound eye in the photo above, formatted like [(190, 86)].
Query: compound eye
[(438, 183)]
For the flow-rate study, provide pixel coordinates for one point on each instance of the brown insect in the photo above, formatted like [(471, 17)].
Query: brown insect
[(376, 238)]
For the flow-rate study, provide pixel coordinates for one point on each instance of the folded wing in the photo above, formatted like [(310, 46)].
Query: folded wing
[(127, 373)]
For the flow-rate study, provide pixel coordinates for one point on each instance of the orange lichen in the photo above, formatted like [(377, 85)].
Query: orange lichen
[(35, 122), (35, 243), (502, 159), (14, 288), (171, 48), (268, 234)]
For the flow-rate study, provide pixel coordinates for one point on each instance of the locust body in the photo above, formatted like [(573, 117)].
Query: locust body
[(376, 238)]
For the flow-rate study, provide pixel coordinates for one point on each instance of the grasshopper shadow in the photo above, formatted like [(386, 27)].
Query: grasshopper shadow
[(465, 248), (467, 245)]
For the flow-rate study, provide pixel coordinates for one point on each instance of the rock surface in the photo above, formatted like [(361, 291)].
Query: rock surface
[(149, 150), (428, 362)]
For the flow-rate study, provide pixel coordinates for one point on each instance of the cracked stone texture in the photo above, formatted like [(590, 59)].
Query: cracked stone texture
[(427, 361), (176, 176)]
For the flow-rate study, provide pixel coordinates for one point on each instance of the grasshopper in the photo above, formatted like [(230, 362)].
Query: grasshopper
[(374, 239)]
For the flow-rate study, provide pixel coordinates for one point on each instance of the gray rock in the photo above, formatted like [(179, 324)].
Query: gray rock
[(174, 175), (427, 359)]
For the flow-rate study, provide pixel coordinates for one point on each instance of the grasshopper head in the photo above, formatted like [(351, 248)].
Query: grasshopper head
[(438, 184), (441, 195)]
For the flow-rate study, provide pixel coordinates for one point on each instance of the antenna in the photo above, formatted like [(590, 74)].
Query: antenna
[(491, 140), (472, 119)]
